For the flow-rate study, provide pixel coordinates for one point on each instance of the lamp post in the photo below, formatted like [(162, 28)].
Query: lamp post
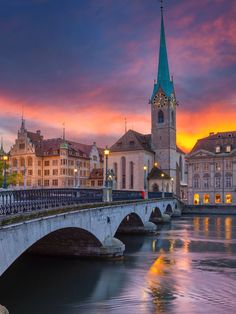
[(162, 184), (106, 153), (145, 177), (172, 185), (75, 174), (5, 159)]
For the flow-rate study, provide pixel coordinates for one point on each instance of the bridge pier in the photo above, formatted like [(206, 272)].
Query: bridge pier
[(165, 218)]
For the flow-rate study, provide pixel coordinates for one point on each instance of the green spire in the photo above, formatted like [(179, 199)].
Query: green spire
[(163, 76)]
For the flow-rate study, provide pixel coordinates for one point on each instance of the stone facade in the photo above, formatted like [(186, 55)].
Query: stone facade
[(52, 163), (212, 170)]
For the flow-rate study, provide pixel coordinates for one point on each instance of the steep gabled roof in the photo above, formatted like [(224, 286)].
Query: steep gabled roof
[(132, 141), (210, 142), (156, 173)]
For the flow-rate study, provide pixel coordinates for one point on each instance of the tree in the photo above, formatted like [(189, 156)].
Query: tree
[(12, 178)]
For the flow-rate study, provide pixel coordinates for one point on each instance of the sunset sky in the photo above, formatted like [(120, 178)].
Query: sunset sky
[(91, 63)]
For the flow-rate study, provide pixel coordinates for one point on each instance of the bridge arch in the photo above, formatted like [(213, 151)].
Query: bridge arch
[(67, 242), (130, 223), (169, 210)]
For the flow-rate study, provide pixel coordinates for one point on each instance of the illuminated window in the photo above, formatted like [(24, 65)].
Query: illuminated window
[(217, 198), (228, 198), (228, 149), (217, 149), (196, 199), (206, 198)]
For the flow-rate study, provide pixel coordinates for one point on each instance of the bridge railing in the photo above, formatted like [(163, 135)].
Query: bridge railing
[(19, 201)]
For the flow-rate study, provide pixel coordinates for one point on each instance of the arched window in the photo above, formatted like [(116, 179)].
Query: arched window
[(196, 200), (22, 162), (155, 187), (172, 118), (30, 161), (123, 172), (160, 116), (180, 166), (14, 162), (196, 184), (131, 171), (115, 168)]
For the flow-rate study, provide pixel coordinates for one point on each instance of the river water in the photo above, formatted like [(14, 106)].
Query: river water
[(189, 267)]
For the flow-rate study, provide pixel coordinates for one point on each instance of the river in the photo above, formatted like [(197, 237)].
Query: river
[(189, 266)]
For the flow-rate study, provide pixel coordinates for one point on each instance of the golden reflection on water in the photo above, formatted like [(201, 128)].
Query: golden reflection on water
[(218, 227), (206, 226), (196, 224), (228, 228)]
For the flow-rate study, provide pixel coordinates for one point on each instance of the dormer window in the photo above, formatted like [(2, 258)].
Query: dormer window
[(228, 149), (217, 149), (131, 143)]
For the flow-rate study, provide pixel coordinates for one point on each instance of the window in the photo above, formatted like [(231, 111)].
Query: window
[(196, 182), (14, 162), (39, 163), (55, 162), (100, 183), (228, 149), (196, 167), (22, 146), (172, 118), (55, 172), (55, 182), (95, 158), (160, 116), (217, 182), (30, 162), (217, 166), (205, 166), (39, 182), (131, 143), (131, 169), (228, 165), (181, 167), (46, 163), (123, 172), (206, 198), (63, 162), (115, 168), (228, 198), (196, 199), (206, 181), (39, 172), (46, 182), (92, 183), (217, 198), (47, 172), (228, 180), (155, 187), (30, 172), (22, 162), (217, 149)]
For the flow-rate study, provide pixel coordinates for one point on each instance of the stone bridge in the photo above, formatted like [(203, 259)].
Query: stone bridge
[(82, 232)]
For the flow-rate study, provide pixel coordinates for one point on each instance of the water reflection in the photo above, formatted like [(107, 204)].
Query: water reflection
[(188, 267)]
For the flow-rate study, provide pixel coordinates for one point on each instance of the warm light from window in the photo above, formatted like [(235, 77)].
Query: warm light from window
[(206, 198), (217, 198), (228, 198), (196, 199), (228, 149)]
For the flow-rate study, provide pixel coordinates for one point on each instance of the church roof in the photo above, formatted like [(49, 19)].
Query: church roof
[(210, 142), (132, 141), (156, 173), (163, 77)]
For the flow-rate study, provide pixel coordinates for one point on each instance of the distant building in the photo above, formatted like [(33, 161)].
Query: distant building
[(53, 163), (134, 155), (212, 170)]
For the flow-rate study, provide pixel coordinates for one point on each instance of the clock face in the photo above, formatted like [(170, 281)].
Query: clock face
[(160, 100)]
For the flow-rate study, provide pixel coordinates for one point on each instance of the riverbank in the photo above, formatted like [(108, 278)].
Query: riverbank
[(210, 209)]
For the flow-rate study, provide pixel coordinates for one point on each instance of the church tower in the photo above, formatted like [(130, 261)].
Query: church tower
[(163, 111)]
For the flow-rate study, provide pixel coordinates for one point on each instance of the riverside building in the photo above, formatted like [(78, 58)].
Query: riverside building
[(211, 168), (53, 163)]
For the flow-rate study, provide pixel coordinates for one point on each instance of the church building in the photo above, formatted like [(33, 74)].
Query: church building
[(153, 161)]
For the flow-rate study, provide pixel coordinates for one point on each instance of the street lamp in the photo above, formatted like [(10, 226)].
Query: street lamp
[(75, 173), (162, 184), (172, 185), (5, 159), (145, 177), (106, 153)]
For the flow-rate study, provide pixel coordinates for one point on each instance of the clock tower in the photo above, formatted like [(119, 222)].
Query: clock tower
[(163, 111)]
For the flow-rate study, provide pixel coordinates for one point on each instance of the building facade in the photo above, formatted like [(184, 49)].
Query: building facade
[(52, 163), (212, 170), (134, 155)]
